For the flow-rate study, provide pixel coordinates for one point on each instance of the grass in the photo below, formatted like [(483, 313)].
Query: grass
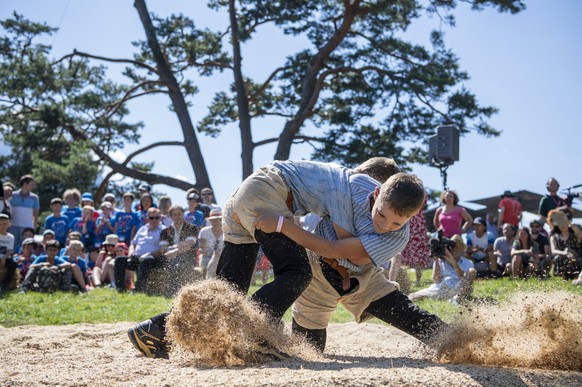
[(108, 306)]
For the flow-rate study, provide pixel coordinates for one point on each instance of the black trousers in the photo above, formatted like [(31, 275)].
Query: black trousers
[(144, 269), (290, 266)]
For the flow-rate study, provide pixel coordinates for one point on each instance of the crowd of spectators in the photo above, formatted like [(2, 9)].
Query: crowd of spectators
[(142, 245)]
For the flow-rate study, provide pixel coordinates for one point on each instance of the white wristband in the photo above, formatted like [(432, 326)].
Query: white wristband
[(280, 223)]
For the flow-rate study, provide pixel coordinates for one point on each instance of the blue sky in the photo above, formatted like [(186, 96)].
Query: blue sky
[(528, 65)]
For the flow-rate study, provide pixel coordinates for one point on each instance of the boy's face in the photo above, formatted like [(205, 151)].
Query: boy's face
[(384, 219), (71, 201), (56, 207), (75, 251), (127, 201), (4, 225), (93, 255), (52, 251)]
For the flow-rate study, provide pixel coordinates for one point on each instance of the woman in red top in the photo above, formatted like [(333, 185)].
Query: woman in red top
[(450, 216)]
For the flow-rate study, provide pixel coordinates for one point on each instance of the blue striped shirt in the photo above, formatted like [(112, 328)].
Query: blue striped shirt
[(332, 191)]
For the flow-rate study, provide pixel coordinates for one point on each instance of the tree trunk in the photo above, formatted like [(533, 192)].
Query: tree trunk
[(242, 97), (178, 102), (310, 90)]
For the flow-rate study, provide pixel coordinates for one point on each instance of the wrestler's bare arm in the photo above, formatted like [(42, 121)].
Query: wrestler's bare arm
[(347, 247)]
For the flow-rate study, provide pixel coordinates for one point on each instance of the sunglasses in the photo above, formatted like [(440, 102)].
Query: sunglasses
[(207, 194), (153, 217)]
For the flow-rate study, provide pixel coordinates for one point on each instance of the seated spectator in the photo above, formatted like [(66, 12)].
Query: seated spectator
[(73, 236), (453, 275), (78, 266), (126, 221), (26, 233), (178, 244), (480, 249), (450, 216), (26, 257), (86, 226), (105, 224), (542, 246), (565, 244), (211, 243), (502, 249), (47, 236), (8, 272), (92, 255), (144, 253), (48, 273), (57, 222), (524, 257), (104, 265), (72, 199), (194, 215)]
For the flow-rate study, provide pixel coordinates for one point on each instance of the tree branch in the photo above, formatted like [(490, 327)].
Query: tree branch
[(128, 61)]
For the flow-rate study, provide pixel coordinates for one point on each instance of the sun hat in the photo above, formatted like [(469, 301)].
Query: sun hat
[(111, 240), (215, 214)]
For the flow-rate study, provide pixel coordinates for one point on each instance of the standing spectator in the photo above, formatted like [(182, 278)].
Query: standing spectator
[(87, 200), (86, 226), (58, 222), (104, 225), (208, 199), (204, 209), (109, 197), (144, 253), (145, 203), (211, 243), (4, 206), (502, 249), (551, 200), (178, 244), (565, 243), (24, 208), (144, 189), (193, 215), (8, 188), (164, 206), (416, 254), (453, 275), (524, 257), (480, 249), (450, 216), (72, 198), (126, 221), (509, 210), (542, 246), (8, 277)]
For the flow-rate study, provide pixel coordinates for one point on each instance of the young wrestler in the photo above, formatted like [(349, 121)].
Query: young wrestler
[(359, 207)]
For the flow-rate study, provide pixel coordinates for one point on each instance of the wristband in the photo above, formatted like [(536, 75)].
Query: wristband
[(280, 223)]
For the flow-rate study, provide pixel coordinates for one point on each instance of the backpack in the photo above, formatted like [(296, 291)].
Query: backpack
[(49, 279)]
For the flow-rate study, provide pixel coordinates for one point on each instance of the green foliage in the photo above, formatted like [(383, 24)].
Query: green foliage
[(42, 106)]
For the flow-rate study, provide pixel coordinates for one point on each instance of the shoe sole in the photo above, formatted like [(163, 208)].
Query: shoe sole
[(144, 347)]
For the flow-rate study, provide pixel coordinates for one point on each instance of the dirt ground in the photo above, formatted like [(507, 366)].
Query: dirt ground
[(357, 354)]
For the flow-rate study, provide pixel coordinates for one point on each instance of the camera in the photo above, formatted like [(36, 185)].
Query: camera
[(439, 244)]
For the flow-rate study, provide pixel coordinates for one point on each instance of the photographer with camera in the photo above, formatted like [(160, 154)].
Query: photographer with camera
[(453, 275)]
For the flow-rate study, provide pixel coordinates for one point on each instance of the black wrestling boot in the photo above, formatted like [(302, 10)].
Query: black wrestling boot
[(147, 338), (315, 337)]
